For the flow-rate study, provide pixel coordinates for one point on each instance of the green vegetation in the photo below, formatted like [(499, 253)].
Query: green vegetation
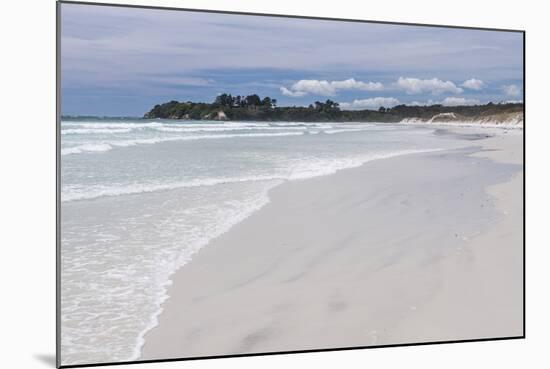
[(252, 107)]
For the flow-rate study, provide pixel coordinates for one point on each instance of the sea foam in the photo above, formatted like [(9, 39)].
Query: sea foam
[(108, 145), (299, 170)]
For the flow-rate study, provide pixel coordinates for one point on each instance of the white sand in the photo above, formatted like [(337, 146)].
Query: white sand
[(483, 284), (424, 247)]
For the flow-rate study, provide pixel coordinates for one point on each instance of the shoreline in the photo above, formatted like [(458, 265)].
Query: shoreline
[(166, 331), (154, 320)]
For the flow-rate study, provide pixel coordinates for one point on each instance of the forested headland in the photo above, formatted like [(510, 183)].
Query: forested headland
[(253, 107)]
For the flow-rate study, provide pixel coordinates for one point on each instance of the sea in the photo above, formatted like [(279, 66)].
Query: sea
[(140, 197)]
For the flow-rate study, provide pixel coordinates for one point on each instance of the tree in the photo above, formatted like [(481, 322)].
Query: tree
[(224, 100), (331, 105), (253, 100), (266, 102)]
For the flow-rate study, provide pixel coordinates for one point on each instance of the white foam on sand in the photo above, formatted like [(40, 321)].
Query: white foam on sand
[(74, 193), (86, 148), (302, 169), (221, 225), (179, 242), (322, 167)]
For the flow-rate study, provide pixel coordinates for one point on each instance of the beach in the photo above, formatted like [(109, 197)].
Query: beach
[(421, 247), (287, 187), (140, 199)]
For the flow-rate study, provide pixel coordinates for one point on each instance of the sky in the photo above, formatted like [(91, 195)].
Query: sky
[(122, 61)]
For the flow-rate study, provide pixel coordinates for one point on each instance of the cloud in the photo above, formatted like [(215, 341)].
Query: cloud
[(109, 49), (473, 84), (352, 84), (372, 103), (315, 87), (326, 88), (285, 91), (511, 90), (434, 86)]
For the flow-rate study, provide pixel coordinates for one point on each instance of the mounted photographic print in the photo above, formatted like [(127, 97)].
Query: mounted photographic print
[(237, 184)]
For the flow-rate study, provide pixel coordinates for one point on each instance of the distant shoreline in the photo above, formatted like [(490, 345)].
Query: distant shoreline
[(506, 114), (506, 117), (228, 108)]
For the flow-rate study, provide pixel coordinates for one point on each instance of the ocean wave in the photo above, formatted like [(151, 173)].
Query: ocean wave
[(70, 131), (86, 148), (196, 127), (224, 129), (108, 145), (317, 168), (117, 128), (345, 130), (187, 125), (102, 125), (73, 194), (300, 170), (102, 146)]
